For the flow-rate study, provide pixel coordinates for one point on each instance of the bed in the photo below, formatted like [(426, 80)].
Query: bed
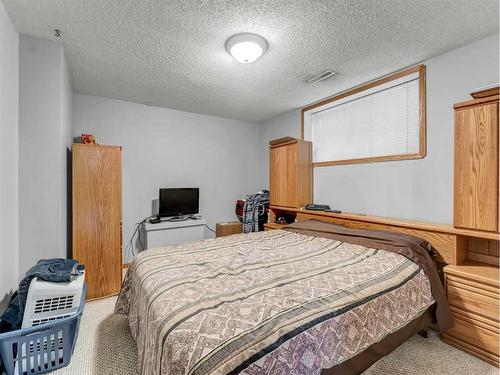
[(313, 298)]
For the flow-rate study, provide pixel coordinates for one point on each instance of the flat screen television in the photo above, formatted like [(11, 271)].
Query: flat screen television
[(179, 201)]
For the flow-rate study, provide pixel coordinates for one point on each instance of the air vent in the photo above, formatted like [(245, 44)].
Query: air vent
[(321, 77)]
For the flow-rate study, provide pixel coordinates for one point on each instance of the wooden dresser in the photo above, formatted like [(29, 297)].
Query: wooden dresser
[(472, 285), (472, 290), (97, 216)]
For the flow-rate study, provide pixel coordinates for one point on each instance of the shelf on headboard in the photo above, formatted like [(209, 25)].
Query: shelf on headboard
[(452, 244), (413, 224)]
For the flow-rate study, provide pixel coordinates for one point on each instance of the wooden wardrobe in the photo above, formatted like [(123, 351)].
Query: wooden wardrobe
[(476, 164), (472, 285), (290, 179), (97, 216)]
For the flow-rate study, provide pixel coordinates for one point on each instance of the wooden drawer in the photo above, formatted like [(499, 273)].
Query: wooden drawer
[(473, 297), (475, 335)]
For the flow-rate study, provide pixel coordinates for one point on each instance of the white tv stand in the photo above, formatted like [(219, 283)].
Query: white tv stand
[(172, 232)]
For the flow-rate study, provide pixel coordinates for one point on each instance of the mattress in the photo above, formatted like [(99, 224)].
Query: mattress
[(269, 302)]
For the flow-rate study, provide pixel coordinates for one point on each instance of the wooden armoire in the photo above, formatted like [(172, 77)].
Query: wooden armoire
[(290, 180), (476, 164), (97, 216), (472, 285)]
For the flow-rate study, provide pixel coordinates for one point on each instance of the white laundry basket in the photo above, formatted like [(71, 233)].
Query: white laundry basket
[(48, 301), (49, 330)]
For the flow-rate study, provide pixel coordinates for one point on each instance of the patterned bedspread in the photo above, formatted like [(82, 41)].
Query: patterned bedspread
[(266, 303)]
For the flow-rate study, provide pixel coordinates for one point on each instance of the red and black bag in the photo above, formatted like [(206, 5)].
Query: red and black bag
[(239, 209)]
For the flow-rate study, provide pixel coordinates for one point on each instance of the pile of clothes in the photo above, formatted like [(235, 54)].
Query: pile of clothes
[(252, 211), (55, 270)]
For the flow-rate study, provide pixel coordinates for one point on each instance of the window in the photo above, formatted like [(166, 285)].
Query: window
[(380, 121)]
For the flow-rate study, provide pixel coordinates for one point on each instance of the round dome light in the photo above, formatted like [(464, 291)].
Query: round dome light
[(246, 48)]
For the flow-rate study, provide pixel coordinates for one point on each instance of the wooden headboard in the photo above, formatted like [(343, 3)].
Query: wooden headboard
[(452, 244)]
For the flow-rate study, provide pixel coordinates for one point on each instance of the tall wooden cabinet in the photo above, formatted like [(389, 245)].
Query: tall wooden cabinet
[(97, 216), (472, 285), (290, 182), (476, 164)]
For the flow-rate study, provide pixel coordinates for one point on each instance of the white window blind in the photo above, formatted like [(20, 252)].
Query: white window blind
[(382, 121)]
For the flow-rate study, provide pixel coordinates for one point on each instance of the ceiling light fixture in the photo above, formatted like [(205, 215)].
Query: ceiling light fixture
[(246, 47)]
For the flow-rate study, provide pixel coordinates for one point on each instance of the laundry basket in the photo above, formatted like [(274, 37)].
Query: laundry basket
[(43, 347), (47, 301)]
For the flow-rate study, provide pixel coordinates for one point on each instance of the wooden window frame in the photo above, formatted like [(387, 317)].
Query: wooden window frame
[(422, 149)]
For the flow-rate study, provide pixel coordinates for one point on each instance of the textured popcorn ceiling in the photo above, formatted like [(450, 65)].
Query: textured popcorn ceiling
[(171, 53)]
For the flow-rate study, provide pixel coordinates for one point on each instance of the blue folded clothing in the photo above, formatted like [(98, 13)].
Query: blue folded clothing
[(55, 270)]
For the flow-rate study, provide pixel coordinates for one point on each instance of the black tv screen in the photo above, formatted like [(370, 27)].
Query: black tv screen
[(179, 201)]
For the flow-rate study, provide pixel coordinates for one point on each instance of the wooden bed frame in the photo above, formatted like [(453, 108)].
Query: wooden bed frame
[(468, 250)]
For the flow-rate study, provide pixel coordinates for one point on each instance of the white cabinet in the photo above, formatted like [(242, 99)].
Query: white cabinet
[(172, 232)]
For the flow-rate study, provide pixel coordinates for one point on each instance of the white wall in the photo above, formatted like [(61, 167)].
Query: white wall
[(44, 132), (413, 189), (9, 88), (282, 126), (66, 118), (169, 148)]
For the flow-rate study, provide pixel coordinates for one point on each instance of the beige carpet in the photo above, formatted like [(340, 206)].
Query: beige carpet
[(106, 347)]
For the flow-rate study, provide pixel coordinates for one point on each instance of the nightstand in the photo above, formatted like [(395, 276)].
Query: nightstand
[(473, 294)]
